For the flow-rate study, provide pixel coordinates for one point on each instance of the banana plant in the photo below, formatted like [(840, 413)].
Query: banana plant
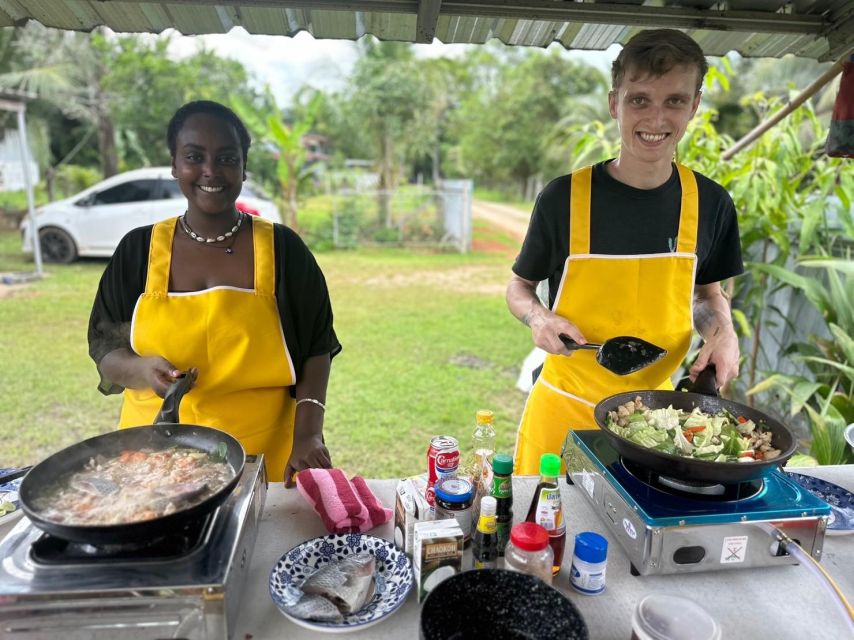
[(826, 395), (291, 169)]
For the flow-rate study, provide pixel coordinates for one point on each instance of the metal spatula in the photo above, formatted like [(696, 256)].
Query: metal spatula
[(621, 355)]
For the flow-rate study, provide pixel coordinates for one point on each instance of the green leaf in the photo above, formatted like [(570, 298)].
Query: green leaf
[(844, 340), (844, 266), (740, 319), (801, 393), (802, 460), (844, 368), (776, 380)]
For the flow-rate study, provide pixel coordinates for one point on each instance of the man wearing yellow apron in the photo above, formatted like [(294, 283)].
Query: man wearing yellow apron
[(633, 246)]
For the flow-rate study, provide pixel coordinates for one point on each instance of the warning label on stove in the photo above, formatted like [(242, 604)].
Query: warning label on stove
[(734, 549)]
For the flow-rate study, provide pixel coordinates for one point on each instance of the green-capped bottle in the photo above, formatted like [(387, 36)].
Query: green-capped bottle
[(546, 508)]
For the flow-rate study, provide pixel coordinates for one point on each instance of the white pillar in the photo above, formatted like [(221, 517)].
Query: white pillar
[(28, 181)]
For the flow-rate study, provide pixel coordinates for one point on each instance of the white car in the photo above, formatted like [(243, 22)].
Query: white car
[(92, 222)]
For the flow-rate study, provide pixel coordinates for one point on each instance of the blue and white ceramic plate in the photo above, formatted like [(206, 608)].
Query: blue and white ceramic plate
[(841, 502), (10, 508), (393, 577)]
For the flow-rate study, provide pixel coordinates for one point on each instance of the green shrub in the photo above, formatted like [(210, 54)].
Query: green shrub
[(387, 235), (72, 178), (315, 222)]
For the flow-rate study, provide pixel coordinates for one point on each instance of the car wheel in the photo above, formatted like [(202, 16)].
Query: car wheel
[(57, 245)]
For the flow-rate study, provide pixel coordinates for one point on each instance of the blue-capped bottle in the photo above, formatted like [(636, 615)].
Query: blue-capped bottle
[(588, 563)]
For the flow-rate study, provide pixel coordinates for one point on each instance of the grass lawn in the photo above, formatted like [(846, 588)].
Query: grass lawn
[(427, 342)]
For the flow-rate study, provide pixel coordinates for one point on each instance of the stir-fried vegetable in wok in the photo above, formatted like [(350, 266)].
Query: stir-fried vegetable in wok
[(722, 437)]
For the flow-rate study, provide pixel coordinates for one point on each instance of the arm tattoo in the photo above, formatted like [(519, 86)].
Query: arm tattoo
[(707, 320), (526, 319)]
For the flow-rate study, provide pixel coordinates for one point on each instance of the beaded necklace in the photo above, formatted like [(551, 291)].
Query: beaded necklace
[(207, 241)]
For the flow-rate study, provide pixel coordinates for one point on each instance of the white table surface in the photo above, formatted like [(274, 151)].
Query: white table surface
[(775, 603)]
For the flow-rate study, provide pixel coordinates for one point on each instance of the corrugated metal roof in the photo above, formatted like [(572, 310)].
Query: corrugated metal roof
[(820, 29)]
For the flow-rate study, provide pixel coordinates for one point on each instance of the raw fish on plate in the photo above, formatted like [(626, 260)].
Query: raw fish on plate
[(347, 583), (361, 573), (309, 606)]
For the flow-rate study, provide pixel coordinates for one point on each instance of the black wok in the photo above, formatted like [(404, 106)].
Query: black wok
[(702, 395), (499, 604), (164, 434)]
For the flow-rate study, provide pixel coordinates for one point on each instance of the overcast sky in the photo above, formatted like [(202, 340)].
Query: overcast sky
[(289, 63)]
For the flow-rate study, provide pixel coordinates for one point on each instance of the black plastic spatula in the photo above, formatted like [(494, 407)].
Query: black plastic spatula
[(621, 355)]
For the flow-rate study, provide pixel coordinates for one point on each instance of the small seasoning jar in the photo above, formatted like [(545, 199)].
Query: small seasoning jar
[(453, 500), (587, 574), (529, 552)]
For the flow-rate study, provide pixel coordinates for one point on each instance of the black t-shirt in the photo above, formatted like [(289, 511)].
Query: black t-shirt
[(625, 220), (301, 296)]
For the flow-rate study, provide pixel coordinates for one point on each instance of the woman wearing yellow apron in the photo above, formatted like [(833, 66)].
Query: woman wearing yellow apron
[(634, 246), (235, 297)]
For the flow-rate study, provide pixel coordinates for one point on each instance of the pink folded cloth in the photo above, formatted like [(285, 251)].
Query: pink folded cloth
[(345, 506)]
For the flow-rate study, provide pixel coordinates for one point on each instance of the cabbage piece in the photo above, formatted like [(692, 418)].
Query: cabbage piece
[(682, 442), (733, 443), (745, 427), (623, 432), (637, 421), (716, 424), (667, 447), (648, 437), (664, 418), (703, 438), (708, 449), (697, 419)]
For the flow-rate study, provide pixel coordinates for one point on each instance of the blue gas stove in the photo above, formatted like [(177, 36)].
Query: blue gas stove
[(670, 525)]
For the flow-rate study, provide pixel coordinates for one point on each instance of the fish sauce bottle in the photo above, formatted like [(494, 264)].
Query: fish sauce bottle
[(546, 508), (480, 461), (484, 542), (502, 491)]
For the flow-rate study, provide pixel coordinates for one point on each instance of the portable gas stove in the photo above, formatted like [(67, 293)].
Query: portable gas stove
[(668, 525), (185, 585)]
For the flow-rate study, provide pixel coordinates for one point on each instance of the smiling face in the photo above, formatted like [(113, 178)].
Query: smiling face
[(208, 164), (652, 113)]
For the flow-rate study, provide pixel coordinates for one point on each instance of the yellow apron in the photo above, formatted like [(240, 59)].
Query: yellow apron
[(649, 296), (234, 337)]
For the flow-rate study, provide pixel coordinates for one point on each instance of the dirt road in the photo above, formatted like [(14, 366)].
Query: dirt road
[(510, 219)]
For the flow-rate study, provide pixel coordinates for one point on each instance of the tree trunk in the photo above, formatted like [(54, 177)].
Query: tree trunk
[(437, 158), (107, 146), (293, 209), (49, 176)]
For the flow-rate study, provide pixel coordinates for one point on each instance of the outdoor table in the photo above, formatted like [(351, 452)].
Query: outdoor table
[(773, 602)]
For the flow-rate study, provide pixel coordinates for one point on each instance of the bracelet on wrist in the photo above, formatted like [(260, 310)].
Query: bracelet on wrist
[(312, 401)]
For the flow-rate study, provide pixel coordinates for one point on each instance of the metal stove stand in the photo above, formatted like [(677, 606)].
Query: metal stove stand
[(667, 533)]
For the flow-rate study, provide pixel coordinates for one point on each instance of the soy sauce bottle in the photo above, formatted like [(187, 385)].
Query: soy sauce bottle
[(546, 509), (502, 491), (484, 541)]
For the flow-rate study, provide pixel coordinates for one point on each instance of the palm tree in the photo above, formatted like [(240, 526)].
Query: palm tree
[(66, 70)]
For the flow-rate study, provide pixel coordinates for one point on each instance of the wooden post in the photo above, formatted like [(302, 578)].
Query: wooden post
[(802, 97)]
